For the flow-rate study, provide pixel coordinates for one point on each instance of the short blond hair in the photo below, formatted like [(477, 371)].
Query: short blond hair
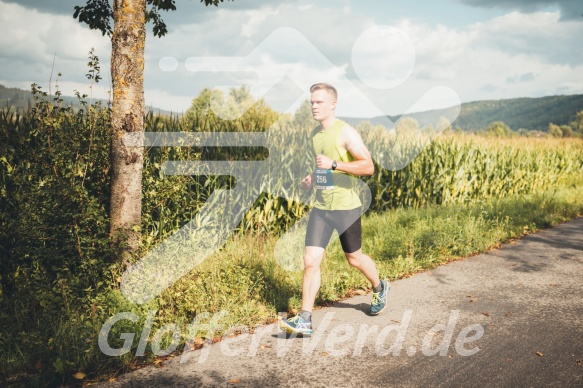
[(324, 86)]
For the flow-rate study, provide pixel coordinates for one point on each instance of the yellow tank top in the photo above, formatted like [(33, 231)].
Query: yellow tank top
[(343, 195)]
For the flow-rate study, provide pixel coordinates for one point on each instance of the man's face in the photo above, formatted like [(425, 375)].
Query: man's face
[(323, 105)]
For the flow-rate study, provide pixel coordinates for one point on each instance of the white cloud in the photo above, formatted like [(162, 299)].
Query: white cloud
[(476, 60), (30, 41), (16, 39), (254, 20), (570, 9), (163, 99), (272, 57), (513, 55), (383, 57)]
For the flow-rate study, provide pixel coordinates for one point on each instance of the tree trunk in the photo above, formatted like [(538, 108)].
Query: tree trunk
[(128, 110)]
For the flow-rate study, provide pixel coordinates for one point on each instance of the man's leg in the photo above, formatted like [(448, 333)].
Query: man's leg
[(349, 223), (351, 240), (302, 322), (311, 283), (380, 288), (364, 264), (317, 237)]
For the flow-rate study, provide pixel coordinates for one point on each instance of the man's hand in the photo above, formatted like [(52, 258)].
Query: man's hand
[(322, 161), (307, 182)]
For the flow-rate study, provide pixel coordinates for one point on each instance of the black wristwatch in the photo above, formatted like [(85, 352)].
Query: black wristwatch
[(334, 165)]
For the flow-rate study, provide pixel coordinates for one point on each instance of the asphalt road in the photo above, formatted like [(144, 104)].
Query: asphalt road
[(509, 317)]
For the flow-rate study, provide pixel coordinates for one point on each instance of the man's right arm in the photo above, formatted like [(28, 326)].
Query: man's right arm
[(307, 182)]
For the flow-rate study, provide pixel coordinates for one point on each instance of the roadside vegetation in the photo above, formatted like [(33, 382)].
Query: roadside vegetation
[(59, 280)]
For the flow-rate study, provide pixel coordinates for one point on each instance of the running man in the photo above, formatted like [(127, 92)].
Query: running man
[(340, 156)]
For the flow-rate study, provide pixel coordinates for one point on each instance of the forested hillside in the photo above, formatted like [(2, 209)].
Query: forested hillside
[(14, 98), (518, 113), (525, 113), (18, 99), (528, 113)]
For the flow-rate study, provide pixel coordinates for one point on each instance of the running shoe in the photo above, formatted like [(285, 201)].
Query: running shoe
[(296, 325), (379, 299)]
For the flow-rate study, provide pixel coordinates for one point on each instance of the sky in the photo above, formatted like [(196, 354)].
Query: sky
[(384, 56)]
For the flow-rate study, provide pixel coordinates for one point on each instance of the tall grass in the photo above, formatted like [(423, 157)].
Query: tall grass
[(444, 169), (59, 283), (461, 169)]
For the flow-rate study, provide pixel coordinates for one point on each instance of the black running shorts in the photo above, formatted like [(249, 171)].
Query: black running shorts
[(323, 222)]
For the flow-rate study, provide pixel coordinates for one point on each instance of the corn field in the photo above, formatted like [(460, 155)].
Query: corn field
[(436, 170), (443, 170), (457, 169), (59, 278)]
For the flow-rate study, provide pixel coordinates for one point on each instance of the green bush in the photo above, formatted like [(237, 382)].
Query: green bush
[(54, 180), (59, 280)]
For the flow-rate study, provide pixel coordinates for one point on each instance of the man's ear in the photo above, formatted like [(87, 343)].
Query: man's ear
[(333, 105)]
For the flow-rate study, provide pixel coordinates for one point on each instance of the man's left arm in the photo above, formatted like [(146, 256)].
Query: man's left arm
[(351, 140)]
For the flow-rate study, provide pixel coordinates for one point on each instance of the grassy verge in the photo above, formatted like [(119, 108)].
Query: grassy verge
[(252, 284), (247, 280), (401, 242)]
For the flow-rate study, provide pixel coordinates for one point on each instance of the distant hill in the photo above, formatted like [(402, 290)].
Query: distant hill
[(528, 113), (14, 98), (517, 113), (18, 99)]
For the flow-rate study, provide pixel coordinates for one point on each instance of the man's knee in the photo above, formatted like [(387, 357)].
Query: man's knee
[(312, 260), (354, 258)]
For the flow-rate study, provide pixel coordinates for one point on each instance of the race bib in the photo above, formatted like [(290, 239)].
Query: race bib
[(324, 180)]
